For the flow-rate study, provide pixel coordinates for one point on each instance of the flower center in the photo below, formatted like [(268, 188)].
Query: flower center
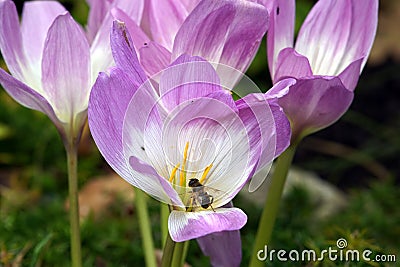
[(182, 181), (197, 196)]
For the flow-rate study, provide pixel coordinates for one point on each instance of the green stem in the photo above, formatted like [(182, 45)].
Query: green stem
[(178, 253), (185, 250), (168, 252), (145, 228), (271, 206), (72, 158), (164, 211)]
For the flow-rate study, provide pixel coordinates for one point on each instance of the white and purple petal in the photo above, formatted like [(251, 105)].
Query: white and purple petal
[(233, 42), (324, 34), (363, 27), (189, 225), (97, 12), (268, 127), (281, 31), (154, 58), (291, 64), (100, 50), (313, 103), (124, 53), (153, 184), (11, 45), (66, 68), (138, 36), (185, 79), (28, 97), (164, 18), (199, 36), (108, 102), (262, 113), (215, 135), (249, 25), (136, 123), (37, 17), (227, 241), (350, 75)]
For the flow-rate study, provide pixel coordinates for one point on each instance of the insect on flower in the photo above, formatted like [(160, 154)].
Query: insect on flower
[(195, 194), (200, 196)]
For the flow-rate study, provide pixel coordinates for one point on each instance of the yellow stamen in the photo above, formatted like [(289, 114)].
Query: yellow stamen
[(182, 174), (203, 177), (173, 173)]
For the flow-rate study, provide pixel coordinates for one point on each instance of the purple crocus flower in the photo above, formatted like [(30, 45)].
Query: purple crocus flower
[(99, 13), (331, 49), (226, 31), (51, 61), (165, 134)]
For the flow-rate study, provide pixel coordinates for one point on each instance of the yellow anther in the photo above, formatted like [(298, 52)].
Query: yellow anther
[(182, 174), (203, 177), (173, 173)]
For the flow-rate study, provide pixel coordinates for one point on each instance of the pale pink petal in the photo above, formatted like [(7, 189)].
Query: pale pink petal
[(100, 51), (281, 30), (249, 25), (109, 100), (184, 226), (314, 103), (215, 135), (97, 12), (27, 97), (138, 36), (124, 53), (324, 35), (204, 32), (153, 184), (133, 8), (37, 17), (350, 75), (227, 32), (164, 18), (227, 241), (187, 78), (66, 68), (154, 58), (11, 40), (291, 64), (362, 32)]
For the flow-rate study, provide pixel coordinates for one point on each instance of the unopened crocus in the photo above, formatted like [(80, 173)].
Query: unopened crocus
[(330, 52), (331, 49), (185, 131), (51, 62), (226, 31)]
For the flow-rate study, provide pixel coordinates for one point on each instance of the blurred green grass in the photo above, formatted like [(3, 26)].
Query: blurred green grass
[(371, 221)]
